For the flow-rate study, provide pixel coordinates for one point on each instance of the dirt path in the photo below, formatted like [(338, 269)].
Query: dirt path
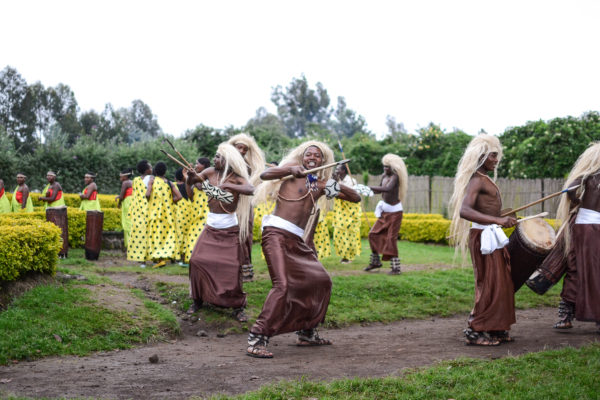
[(202, 366)]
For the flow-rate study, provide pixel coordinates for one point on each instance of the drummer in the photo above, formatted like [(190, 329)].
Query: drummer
[(476, 198), (89, 197), (52, 194)]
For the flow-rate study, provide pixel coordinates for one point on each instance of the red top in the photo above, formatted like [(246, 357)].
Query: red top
[(93, 195), (58, 196), (1, 193), (19, 197), (128, 192)]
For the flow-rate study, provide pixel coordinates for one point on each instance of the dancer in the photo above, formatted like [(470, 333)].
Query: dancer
[(52, 195), (124, 202), (161, 231), (476, 198), (215, 272), (4, 203), (383, 237), (255, 160), (21, 201), (138, 211), (346, 221), (89, 197), (583, 236), (301, 289), (199, 210)]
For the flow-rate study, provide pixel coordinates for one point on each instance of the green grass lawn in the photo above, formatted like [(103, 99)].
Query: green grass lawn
[(558, 374)]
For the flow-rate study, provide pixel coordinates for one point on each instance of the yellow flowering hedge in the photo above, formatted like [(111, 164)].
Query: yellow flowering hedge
[(76, 219), (73, 200), (27, 244)]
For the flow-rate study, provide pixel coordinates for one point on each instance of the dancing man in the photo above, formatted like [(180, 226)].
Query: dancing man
[(21, 201), (52, 195), (383, 237), (476, 198), (215, 272), (255, 160), (582, 240), (301, 289)]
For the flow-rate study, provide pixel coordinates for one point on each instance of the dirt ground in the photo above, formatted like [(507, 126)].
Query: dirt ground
[(201, 366)]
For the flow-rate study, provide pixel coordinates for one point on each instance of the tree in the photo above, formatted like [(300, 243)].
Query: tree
[(269, 133), (299, 106), (347, 123), (206, 139), (16, 110), (142, 123)]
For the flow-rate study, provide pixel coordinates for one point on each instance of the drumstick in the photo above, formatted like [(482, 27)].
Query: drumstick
[(178, 153), (540, 200), (310, 171), (540, 215)]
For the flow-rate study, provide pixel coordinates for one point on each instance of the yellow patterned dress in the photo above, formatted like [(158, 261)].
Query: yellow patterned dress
[(183, 221), (136, 248), (346, 229), (199, 208), (161, 235), (322, 239)]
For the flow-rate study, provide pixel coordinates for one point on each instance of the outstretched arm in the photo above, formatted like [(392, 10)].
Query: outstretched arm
[(282, 171), (348, 194), (241, 186)]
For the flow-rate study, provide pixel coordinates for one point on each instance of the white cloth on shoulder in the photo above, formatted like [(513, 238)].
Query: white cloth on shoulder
[(587, 216), (382, 207), (221, 221), (146, 180), (278, 222), (492, 237)]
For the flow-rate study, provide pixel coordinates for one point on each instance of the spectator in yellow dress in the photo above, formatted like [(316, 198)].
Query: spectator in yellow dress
[(21, 201)]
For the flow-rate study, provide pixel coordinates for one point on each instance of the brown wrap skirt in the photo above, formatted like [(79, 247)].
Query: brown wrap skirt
[(586, 243), (301, 286), (215, 274), (383, 236), (494, 308)]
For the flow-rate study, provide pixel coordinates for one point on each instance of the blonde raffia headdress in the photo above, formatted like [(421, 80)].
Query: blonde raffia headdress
[(254, 157), (477, 152)]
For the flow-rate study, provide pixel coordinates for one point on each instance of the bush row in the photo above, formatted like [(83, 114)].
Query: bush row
[(76, 220), (27, 245)]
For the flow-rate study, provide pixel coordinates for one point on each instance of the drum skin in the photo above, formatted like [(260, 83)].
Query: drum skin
[(93, 234), (58, 216), (528, 246)]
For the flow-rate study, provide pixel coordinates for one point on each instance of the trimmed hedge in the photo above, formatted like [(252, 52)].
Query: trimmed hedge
[(27, 245), (73, 200), (76, 219)]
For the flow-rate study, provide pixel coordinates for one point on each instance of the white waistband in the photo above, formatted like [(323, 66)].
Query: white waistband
[(587, 216), (221, 221), (492, 237), (382, 207), (278, 222)]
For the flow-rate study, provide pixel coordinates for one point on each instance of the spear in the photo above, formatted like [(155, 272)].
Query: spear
[(179, 154)]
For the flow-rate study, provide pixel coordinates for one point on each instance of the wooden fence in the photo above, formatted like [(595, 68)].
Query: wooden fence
[(431, 194)]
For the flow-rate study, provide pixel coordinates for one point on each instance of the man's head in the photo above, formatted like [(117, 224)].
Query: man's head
[(144, 167), (160, 169), (89, 178), (201, 164), (312, 157), (51, 177), (491, 161), (179, 174), (21, 178), (341, 171), (242, 148)]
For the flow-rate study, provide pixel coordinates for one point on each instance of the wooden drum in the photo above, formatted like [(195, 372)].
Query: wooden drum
[(58, 216), (93, 234), (528, 246)]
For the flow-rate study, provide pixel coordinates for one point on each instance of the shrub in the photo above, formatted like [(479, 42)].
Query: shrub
[(76, 220), (27, 244)]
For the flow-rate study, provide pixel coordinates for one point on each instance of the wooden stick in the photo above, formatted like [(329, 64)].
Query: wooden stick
[(540, 215), (310, 171), (179, 154), (540, 200), (177, 161)]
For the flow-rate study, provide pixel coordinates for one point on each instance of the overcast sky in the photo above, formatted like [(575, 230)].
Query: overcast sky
[(464, 64)]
